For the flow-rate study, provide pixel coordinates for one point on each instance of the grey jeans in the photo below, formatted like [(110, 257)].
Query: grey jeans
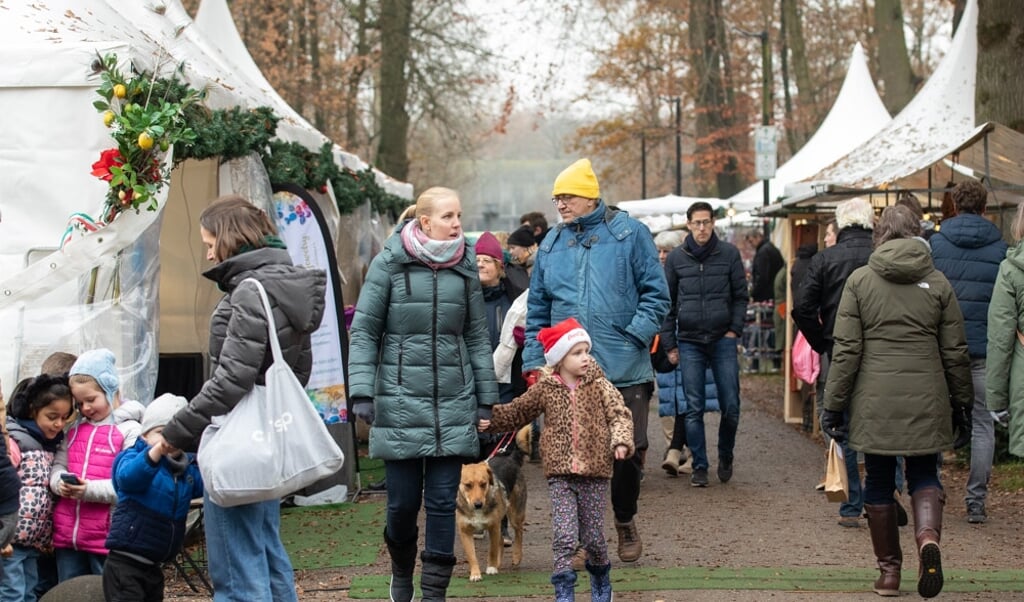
[(982, 438)]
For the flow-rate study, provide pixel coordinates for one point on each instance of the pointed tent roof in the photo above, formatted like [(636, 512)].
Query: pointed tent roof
[(939, 118), (855, 116), (217, 26)]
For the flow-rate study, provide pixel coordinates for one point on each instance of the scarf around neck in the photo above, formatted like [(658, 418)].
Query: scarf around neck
[(700, 253), (33, 429), (435, 254)]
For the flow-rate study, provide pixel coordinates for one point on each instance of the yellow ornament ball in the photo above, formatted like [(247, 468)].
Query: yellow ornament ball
[(145, 141), (108, 118), (120, 91)]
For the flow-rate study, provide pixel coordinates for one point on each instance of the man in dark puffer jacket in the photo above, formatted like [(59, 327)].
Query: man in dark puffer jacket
[(815, 308), (968, 251)]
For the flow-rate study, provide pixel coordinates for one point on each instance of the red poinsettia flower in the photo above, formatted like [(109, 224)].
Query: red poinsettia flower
[(108, 158)]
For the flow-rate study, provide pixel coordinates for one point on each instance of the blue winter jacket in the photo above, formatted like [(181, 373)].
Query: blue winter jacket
[(602, 269), (152, 504), (968, 250), (672, 397)]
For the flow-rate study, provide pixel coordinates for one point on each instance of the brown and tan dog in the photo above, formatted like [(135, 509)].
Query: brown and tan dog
[(488, 492)]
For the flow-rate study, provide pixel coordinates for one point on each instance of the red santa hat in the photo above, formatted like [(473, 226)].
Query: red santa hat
[(560, 338)]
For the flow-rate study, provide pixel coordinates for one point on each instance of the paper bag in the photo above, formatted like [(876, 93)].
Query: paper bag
[(836, 485)]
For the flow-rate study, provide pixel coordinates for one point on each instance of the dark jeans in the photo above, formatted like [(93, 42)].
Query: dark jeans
[(696, 358), (626, 473), (880, 480), (128, 580), (432, 482)]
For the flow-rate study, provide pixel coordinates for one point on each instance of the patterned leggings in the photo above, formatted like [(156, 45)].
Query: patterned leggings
[(577, 515)]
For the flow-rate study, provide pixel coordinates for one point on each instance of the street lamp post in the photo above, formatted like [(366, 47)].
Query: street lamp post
[(679, 150), (766, 102), (643, 164)]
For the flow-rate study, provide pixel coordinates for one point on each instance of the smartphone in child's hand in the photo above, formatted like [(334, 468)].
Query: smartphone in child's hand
[(70, 479)]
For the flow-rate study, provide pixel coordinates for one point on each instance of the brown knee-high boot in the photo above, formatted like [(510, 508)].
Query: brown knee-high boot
[(885, 538), (928, 503)]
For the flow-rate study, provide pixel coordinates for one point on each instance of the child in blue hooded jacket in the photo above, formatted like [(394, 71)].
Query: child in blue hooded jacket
[(155, 485)]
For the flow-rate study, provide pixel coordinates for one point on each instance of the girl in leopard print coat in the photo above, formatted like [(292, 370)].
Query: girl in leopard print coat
[(586, 427)]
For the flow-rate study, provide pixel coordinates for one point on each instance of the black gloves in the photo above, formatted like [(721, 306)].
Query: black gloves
[(961, 426), (834, 425), (362, 407)]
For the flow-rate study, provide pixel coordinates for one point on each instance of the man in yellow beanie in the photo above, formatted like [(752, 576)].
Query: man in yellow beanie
[(601, 266)]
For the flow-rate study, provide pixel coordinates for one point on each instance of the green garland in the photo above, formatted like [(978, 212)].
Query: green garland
[(231, 133)]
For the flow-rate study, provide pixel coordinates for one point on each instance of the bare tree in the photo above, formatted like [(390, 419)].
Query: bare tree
[(893, 61), (1000, 89)]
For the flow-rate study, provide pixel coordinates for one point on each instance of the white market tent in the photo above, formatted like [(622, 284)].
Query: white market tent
[(52, 135), (937, 126), (856, 115), (665, 212)]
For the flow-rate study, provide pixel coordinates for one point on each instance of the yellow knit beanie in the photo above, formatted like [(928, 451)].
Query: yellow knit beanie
[(578, 180)]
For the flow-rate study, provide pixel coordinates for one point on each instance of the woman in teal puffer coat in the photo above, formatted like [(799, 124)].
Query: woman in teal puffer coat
[(420, 371), (1004, 374)]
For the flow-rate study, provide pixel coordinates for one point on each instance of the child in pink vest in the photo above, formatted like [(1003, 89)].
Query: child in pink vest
[(82, 467)]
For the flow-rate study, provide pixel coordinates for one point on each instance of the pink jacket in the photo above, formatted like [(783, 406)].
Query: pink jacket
[(88, 452)]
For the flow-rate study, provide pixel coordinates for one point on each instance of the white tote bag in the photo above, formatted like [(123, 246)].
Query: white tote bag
[(272, 443)]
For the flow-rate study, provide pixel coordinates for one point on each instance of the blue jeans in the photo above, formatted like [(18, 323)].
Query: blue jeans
[(248, 562), (72, 563), (432, 482), (880, 477), (696, 358), (19, 575), (854, 504), (983, 439)]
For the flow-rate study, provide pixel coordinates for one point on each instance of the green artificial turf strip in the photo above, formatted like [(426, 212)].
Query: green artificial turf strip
[(810, 579), (332, 536), (371, 470)]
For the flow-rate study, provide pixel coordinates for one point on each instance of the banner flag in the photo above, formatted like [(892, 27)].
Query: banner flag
[(301, 226)]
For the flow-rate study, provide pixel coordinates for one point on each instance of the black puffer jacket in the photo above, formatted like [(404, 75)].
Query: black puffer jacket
[(818, 299), (239, 348), (767, 263), (709, 299)]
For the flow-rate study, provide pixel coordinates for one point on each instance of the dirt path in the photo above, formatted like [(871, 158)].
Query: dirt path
[(769, 515)]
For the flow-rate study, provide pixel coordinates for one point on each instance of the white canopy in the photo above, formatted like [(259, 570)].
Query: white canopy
[(856, 115), (939, 118), (666, 212)]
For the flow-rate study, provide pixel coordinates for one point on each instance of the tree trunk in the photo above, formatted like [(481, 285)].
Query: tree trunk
[(395, 29), (315, 76), (1000, 87), (806, 91), (788, 117), (355, 76), (893, 61), (715, 157)]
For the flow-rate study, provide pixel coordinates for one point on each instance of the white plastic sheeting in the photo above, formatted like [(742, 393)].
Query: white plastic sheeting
[(52, 135), (856, 115)]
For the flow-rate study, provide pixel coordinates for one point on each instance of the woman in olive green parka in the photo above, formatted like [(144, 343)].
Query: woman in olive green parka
[(1004, 373), (420, 371), (901, 373)]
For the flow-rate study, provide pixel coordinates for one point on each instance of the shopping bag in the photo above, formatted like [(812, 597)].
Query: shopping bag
[(272, 443), (837, 488)]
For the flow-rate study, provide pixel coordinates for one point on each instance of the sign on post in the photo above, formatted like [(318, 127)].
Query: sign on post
[(766, 147)]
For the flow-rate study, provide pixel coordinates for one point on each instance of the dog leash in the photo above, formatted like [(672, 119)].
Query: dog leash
[(503, 443)]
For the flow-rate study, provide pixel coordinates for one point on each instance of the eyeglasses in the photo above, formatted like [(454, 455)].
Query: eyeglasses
[(562, 199), (701, 223)]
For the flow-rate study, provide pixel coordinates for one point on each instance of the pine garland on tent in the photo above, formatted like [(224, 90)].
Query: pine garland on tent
[(148, 113)]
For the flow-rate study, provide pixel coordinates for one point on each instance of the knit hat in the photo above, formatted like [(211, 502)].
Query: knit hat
[(99, 364), (161, 410), (488, 245), (522, 237), (560, 338), (578, 180)]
